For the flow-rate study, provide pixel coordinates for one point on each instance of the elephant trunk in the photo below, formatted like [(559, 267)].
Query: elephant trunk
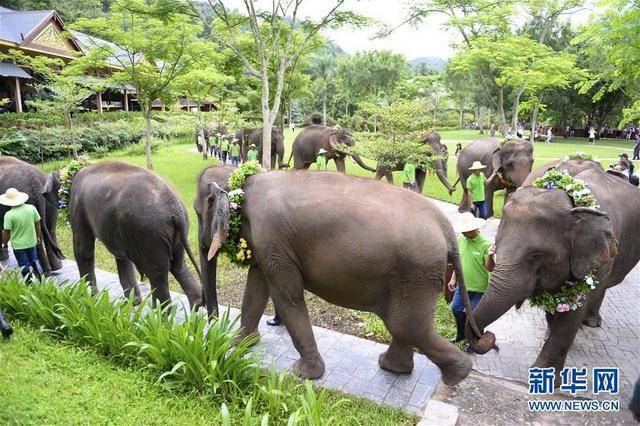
[(444, 180), (500, 296), (361, 163)]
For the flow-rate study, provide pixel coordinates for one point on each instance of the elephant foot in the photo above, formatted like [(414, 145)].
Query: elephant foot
[(593, 321), (55, 265), (395, 364), (255, 335), (454, 373), (94, 290), (543, 363), (309, 369)]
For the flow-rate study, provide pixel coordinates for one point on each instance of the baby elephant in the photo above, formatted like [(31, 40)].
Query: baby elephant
[(141, 221)]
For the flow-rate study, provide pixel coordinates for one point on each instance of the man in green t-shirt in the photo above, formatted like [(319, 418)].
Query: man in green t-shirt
[(252, 154), (321, 160), (409, 176), (234, 150), (224, 148), (475, 188), (477, 258), (22, 228)]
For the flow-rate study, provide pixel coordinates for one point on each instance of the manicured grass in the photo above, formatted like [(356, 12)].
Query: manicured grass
[(44, 381)]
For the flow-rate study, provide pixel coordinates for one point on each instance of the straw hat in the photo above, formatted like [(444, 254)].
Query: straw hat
[(322, 151), (477, 166), (253, 145), (467, 222), (13, 198)]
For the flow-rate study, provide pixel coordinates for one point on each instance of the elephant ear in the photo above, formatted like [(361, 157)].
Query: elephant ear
[(49, 184), (218, 206), (593, 244), (333, 140)]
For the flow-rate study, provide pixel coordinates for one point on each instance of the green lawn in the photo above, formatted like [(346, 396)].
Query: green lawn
[(43, 381)]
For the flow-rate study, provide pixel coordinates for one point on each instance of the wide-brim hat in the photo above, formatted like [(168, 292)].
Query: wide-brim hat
[(477, 166), (322, 151), (253, 145), (467, 222), (13, 198)]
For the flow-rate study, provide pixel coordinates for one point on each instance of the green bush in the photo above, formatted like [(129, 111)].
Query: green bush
[(193, 355)]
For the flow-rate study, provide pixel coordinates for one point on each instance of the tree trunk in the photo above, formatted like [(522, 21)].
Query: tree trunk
[(324, 104), (461, 112), (516, 107), (266, 123), (147, 117), (502, 116), (534, 118)]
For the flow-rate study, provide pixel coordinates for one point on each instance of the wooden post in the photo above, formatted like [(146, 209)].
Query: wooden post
[(126, 101), (99, 102), (18, 94)]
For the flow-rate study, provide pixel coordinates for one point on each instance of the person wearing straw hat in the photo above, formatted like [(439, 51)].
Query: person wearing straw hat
[(252, 154), (224, 147), (22, 228), (321, 159), (475, 187), (477, 258)]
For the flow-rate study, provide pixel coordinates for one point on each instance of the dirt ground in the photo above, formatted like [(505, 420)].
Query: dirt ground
[(485, 400)]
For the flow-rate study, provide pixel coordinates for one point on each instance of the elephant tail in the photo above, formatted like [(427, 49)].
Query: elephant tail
[(289, 160), (46, 235), (187, 248)]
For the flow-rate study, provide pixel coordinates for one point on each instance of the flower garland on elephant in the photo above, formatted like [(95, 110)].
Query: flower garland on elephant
[(237, 248), (572, 294), (67, 174)]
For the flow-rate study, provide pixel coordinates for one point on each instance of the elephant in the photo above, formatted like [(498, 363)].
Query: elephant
[(311, 139), (141, 221), (514, 160), (43, 195), (433, 140), (543, 241), (242, 136), (318, 232), (277, 146)]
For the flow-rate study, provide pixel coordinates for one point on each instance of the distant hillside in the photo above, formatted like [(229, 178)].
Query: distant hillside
[(429, 61)]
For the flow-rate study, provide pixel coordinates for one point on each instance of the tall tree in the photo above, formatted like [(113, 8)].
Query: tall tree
[(273, 33), (153, 45), (322, 70)]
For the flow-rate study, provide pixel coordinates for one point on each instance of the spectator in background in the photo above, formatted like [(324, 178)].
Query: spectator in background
[(636, 149), (592, 135), (292, 126), (252, 154), (549, 134), (409, 176), (567, 131), (234, 150)]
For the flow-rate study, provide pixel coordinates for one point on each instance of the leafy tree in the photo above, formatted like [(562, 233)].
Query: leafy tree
[(276, 35), (322, 69), (154, 45)]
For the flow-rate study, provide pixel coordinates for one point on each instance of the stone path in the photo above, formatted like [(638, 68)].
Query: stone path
[(351, 362)]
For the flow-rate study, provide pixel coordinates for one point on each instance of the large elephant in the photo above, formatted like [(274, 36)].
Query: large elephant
[(43, 195), (277, 146), (433, 140), (242, 136), (141, 221), (311, 139), (544, 241), (513, 160), (335, 235)]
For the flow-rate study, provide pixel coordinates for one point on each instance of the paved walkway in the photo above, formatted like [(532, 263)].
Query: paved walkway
[(351, 362)]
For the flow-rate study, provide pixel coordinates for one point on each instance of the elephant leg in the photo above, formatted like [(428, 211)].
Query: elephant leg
[(379, 174), (83, 247), (128, 280), (421, 176), (340, 165), (593, 318), (413, 325), (562, 332), (398, 358), (53, 260), (254, 302), (389, 175), (188, 284), (159, 281), (44, 259), (465, 203), (488, 199), (287, 292)]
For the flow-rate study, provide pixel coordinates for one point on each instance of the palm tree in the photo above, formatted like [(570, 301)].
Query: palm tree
[(322, 68)]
